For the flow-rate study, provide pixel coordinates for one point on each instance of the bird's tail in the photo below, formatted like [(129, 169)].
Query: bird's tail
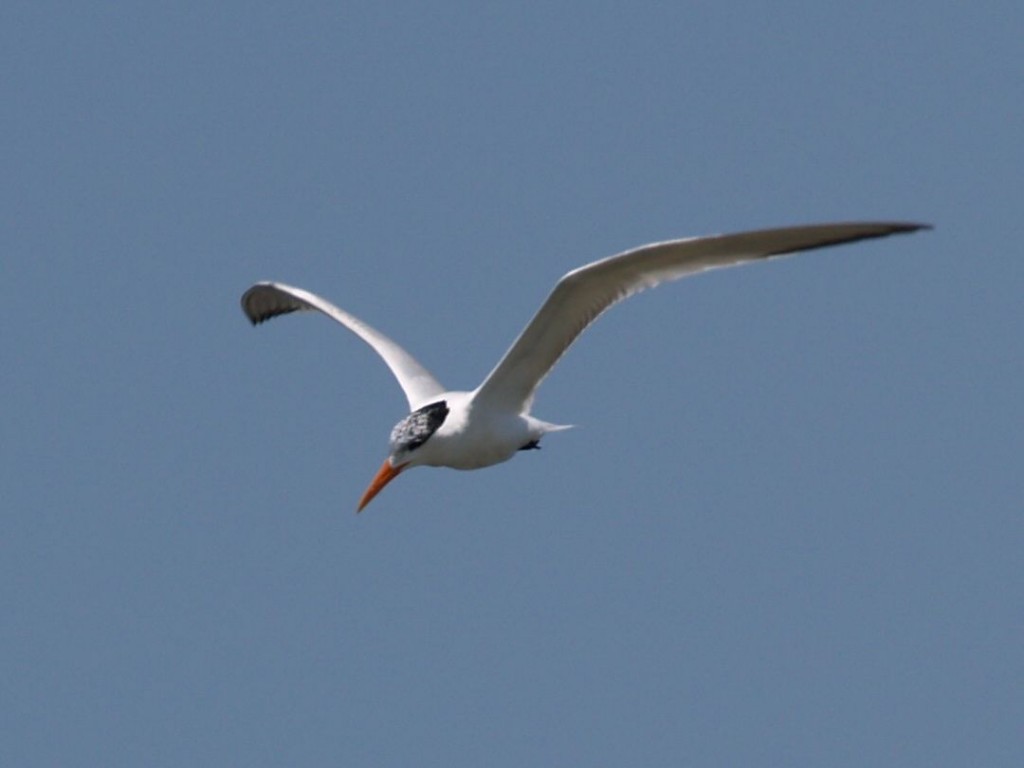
[(547, 426)]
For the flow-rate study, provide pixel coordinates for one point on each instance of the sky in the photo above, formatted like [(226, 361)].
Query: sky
[(787, 529)]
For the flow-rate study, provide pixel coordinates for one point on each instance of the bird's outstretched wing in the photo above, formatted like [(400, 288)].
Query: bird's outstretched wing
[(583, 294), (266, 300)]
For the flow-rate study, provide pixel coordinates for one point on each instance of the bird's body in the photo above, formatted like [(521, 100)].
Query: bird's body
[(472, 437), (489, 425)]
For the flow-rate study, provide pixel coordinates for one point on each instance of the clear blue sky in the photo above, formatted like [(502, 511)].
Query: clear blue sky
[(788, 530)]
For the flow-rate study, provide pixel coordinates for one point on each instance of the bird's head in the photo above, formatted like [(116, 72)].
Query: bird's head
[(407, 436)]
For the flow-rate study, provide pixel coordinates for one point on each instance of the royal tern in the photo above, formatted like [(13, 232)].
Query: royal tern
[(469, 430)]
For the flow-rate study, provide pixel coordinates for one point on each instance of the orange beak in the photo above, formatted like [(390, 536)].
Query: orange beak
[(384, 475)]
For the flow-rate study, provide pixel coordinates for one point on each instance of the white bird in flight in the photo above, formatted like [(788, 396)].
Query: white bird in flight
[(470, 430)]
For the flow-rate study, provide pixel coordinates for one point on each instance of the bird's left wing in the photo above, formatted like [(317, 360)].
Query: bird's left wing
[(583, 294), (266, 300)]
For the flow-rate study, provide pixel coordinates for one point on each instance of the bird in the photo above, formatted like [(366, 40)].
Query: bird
[(488, 425)]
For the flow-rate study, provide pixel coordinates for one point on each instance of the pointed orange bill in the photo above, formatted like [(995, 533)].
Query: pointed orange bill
[(384, 475)]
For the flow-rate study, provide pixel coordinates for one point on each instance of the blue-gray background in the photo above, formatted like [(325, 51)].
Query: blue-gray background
[(789, 528)]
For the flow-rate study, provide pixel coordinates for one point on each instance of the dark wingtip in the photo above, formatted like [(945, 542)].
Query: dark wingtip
[(884, 229), (256, 318), (252, 315), (258, 311), (911, 226)]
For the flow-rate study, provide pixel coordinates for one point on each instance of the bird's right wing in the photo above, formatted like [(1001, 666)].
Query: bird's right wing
[(583, 294), (266, 300)]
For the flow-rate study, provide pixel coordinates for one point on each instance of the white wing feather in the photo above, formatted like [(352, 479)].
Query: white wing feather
[(266, 300), (583, 294)]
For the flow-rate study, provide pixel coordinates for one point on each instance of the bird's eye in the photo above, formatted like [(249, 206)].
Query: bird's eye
[(416, 428)]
